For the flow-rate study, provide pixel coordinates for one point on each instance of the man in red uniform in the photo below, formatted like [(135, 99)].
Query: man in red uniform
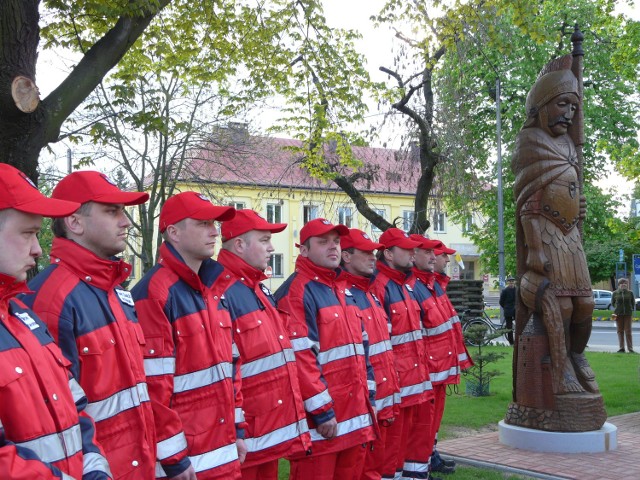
[(326, 331), (93, 318), (358, 263), (438, 334), (44, 431), (272, 402), (407, 448), (190, 358)]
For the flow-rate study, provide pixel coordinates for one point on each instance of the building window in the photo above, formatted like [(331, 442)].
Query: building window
[(274, 213), (345, 216), (383, 213), (408, 217), (276, 262), (237, 205), (439, 222), (467, 226), (309, 212)]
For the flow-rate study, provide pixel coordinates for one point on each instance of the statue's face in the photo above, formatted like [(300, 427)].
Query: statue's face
[(559, 112)]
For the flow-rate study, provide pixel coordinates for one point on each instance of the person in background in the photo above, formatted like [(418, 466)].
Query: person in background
[(44, 431), (408, 446), (624, 302), (337, 384), (272, 402), (93, 319), (358, 264), (508, 304), (190, 360)]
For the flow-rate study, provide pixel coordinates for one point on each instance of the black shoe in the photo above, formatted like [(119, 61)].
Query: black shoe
[(443, 468), (449, 463), (621, 350), (631, 350)]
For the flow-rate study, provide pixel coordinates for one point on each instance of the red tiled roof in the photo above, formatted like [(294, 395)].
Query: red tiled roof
[(271, 162)]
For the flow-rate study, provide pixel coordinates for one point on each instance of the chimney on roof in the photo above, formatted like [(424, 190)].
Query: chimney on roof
[(239, 131)]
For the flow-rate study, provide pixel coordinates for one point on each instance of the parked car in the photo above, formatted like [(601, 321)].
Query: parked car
[(602, 299)]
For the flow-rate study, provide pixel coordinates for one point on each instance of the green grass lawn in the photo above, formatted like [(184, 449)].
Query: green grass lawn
[(617, 376), (601, 315)]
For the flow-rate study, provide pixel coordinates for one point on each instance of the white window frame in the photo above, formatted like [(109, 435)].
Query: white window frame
[(345, 216), (276, 262), (383, 213), (274, 213), (408, 219), (314, 212), (238, 205), (439, 222)]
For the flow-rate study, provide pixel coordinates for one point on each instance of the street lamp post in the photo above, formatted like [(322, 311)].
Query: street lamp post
[(501, 268)]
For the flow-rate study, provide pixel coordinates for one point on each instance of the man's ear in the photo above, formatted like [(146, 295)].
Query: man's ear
[(346, 256), (304, 251), (74, 224)]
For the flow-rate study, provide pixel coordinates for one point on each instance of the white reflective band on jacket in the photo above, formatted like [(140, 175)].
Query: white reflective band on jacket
[(299, 344), (413, 336), (380, 347), (387, 401), (341, 352), (171, 446), (442, 376), (94, 462), (265, 364), (239, 415), (76, 390), (345, 427), (443, 327), (154, 367), (202, 378), (56, 446), (415, 389), (119, 402), (317, 401), (207, 461), (276, 437), (416, 467)]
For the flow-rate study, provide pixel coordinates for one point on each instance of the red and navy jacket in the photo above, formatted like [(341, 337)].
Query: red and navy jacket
[(190, 362), (440, 287), (92, 318), (272, 401), (325, 327), (377, 327), (44, 432), (394, 291), (437, 332)]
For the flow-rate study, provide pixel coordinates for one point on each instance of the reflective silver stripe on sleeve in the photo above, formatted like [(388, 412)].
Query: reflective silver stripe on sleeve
[(338, 353), (239, 415), (317, 401), (208, 460), (345, 427), (67, 477), (154, 367), (171, 446), (380, 347), (406, 337), (202, 378), (371, 385), (365, 336), (265, 364), (415, 467), (276, 437), (432, 332), (300, 344), (76, 390), (56, 446), (94, 462), (235, 353), (462, 357), (119, 402), (385, 402), (455, 319), (415, 389)]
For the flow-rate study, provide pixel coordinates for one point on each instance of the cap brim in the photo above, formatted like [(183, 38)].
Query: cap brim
[(214, 212), (368, 246), (446, 250), (48, 207), (407, 244), (274, 227), (427, 244), (124, 198)]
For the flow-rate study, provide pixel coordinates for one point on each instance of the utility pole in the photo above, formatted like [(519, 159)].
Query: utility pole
[(501, 272)]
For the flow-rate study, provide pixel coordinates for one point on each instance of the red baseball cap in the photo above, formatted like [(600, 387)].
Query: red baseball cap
[(192, 205), (91, 186), (444, 249), (246, 220), (426, 243), (360, 240), (318, 227), (17, 191), (394, 237)]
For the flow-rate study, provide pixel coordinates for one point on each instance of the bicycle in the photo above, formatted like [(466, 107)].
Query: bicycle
[(468, 321)]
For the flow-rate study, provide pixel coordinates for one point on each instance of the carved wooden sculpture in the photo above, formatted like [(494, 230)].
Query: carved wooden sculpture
[(554, 386)]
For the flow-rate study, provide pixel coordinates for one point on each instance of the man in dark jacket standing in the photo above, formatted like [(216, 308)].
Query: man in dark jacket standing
[(623, 301), (508, 304)]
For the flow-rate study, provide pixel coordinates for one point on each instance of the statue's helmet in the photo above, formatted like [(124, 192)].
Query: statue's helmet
[(549, 86)]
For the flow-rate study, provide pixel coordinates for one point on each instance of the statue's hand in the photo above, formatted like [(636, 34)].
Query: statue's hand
[(538, 262), (583, 207)]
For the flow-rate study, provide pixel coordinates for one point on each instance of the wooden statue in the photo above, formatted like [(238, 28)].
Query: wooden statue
[(554, 386)]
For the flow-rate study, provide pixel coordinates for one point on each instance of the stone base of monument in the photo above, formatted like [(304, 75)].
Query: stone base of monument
[(595, 441)]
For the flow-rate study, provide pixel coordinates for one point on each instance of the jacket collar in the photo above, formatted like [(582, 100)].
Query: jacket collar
[(358, 281), (86, 265), (396, 276), (170, 258), (425, 277), (241, 269), (10, 287), (320, 274), (443, 279)]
